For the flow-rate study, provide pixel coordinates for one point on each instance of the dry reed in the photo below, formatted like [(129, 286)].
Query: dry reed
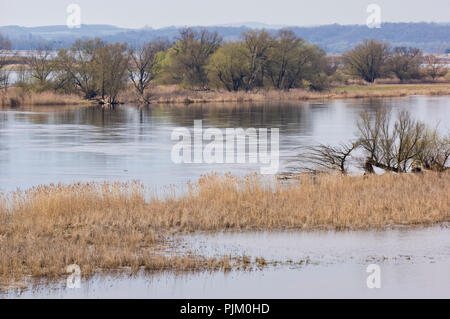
[(110, 226), (16, 97), (175, 95)]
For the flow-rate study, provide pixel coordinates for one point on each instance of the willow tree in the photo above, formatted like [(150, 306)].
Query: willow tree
[(142, 69), (394, 147), (434, 67), (187, 59), (5, 45), (112, 63), (229, 67), (292, 62), (41, 64), (97, 69), (283, 59), (257, 44), (405, 63), (78, 66), (367, 60), (401, 146)]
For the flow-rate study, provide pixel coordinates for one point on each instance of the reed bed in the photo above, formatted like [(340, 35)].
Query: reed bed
[(175, 95), (16, 97), (323, 202), (97, 226), (111, 226)]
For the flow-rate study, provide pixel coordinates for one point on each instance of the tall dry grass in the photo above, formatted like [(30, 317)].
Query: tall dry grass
[(110, 226), (174, 95), (97, 226), (321, 202), (17, 97)]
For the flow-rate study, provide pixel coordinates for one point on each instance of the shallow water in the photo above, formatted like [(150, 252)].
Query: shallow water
[(414, 263), (41, 145), (328, 247)]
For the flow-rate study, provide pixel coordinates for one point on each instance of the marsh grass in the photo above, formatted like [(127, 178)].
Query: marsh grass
[(110, 226), (176, 95), (172, 94), (14, 97)]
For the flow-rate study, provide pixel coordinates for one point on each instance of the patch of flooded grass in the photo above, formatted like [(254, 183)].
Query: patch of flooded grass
[(111, 226)]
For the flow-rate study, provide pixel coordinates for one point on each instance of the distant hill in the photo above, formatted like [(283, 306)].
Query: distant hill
[(429, 37)]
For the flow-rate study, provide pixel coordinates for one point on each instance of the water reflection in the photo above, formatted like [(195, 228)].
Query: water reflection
[(414, 264), (40, 145)]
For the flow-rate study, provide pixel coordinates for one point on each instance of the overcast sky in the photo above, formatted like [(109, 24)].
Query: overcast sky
[(162, 13)]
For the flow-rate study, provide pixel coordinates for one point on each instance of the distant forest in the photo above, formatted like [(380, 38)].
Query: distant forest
[(334, 39)]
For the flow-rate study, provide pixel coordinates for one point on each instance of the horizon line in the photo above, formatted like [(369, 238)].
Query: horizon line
[(225, 25)]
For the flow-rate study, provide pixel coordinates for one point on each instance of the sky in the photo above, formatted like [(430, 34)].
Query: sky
[(163, 13)]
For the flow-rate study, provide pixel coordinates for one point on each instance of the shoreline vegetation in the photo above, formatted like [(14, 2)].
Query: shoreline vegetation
[(170, 95), (112, 226), (200, 67), (15, 97)]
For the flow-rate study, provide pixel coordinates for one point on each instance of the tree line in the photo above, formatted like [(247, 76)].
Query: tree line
[(5, 46), (201, 60)]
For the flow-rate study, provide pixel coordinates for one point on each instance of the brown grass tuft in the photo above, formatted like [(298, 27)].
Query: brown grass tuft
[(16, 97), (175, 95), (110, 226)]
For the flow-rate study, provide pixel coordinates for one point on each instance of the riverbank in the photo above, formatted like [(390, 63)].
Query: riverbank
[(175, 95), (112, 226), (16, 97)]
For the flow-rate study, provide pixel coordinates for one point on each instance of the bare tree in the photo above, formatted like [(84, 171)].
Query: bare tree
[(258, 44), (114, 63), (367, 60), (391, 147), (405, 63), (41, 64), (141, 69), (95, 68), (433, 151), (79, 65), (5, 46), (434, 67), (327, 157), (408, 134), (405, 146), (374, 134)]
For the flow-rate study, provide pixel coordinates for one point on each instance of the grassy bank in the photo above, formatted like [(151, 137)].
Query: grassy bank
[(17, 97), (111, 226), (174, 95)]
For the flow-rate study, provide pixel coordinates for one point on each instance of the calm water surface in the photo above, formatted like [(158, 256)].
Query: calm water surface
[(414, 263), (42, 145)]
